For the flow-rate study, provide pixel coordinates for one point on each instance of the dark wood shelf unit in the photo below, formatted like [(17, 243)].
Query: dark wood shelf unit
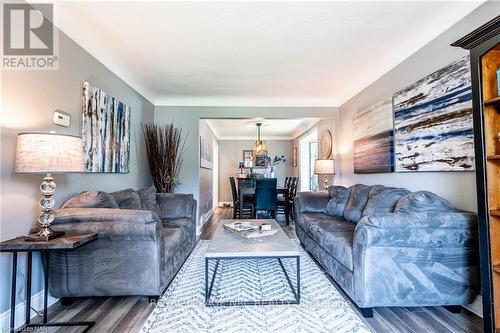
[(484, 46), (493, 102)]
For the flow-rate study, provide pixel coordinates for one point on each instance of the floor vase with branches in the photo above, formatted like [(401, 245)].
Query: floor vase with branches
[(165, 146)]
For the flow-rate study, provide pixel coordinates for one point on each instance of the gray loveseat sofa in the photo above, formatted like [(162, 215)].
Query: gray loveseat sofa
[(389, 247), (143, 240)]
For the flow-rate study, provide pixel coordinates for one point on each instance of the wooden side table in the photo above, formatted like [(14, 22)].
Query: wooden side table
[(21, 244)]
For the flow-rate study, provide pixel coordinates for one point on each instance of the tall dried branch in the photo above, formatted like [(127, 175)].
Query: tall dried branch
[(165, 146)]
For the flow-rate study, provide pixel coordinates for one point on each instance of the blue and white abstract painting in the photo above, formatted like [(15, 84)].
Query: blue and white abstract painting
[(433, 122), (105, 132), (374, 139)]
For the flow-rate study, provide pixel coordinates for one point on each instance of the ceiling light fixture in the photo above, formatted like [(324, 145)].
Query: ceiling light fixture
[(259, 146)]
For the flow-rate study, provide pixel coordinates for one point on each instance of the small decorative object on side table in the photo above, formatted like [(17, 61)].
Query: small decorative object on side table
[(23, 244), (48, 153), (324, 167)]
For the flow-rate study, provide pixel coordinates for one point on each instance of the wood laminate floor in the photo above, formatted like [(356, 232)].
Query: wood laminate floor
[(127, 314)]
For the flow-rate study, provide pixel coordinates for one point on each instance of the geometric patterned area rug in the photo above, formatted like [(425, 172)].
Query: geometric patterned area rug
[(182, 308)]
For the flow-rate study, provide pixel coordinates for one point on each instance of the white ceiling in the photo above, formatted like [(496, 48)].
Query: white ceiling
[(271, 129), (254, 53)]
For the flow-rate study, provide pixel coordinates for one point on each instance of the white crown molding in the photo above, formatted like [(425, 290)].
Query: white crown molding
[(209, 124), (253, 138), (251, 101)]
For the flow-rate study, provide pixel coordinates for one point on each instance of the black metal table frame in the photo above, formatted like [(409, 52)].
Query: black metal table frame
[(208, 288), (44, 323)]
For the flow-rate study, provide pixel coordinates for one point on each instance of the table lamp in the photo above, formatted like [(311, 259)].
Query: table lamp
[(324, 167), (48, 153)]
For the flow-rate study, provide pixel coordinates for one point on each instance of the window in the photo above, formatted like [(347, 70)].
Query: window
[(313, 155), (308, 153)]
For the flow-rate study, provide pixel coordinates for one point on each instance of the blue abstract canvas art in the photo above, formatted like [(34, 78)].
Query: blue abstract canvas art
[(105, 132), (374, 139), (433, 122)]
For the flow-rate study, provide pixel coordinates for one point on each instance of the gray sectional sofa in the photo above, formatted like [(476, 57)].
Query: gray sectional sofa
[(390, 247), (143, 240)]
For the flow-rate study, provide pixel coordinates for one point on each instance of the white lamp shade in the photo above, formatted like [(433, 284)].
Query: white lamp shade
[(324, 167), (48, 153)]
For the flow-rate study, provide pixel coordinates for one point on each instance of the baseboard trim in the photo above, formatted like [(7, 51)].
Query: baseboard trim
[(203, 219), (36, 303)]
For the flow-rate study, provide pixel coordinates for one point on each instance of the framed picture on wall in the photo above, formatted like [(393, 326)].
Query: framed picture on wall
[(105, 132), (260, 160), (248, 158), (205, 153)]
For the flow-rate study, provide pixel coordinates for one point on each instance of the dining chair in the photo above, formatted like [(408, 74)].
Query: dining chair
[(290, 201), (265, 195), (281, 201), (248, 201)]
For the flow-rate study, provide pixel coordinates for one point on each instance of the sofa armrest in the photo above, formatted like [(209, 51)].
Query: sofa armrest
[(311, 202), (176, 205), (419, 230), (109, 223), (416, 259)]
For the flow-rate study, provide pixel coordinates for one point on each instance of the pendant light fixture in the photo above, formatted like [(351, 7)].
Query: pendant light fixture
[(259, 146)]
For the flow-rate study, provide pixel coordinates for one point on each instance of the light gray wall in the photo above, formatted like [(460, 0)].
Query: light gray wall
[(458, 187), (187, 117), (28, 101), (206, 175), (231, 153)]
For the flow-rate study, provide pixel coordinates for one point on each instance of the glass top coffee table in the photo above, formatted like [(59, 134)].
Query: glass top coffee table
[(226, 245)]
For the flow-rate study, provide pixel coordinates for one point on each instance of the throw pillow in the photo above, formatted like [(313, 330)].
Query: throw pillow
[(148, 199), (127, 199), (91, 200), (423, 202), (384, 201), (357, 201), (339, 196)]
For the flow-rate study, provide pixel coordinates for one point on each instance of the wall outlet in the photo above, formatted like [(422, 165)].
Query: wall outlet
[(61, 118)]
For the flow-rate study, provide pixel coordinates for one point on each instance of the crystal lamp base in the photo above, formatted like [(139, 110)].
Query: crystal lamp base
[(47, 187)]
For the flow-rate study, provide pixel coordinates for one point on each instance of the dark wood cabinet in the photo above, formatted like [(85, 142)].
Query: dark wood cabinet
[(484, 46)]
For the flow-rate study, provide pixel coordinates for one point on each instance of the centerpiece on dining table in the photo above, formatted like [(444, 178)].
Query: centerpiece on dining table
[(274, 161)]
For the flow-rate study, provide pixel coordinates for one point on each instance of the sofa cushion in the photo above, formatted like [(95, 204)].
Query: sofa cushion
[(383, 201), (177, 233), (148, 199), (91, 200), (173, 238), (334, 234), (339, 196), (127, 199), (377, 189), (357, 201), (423, 202)]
